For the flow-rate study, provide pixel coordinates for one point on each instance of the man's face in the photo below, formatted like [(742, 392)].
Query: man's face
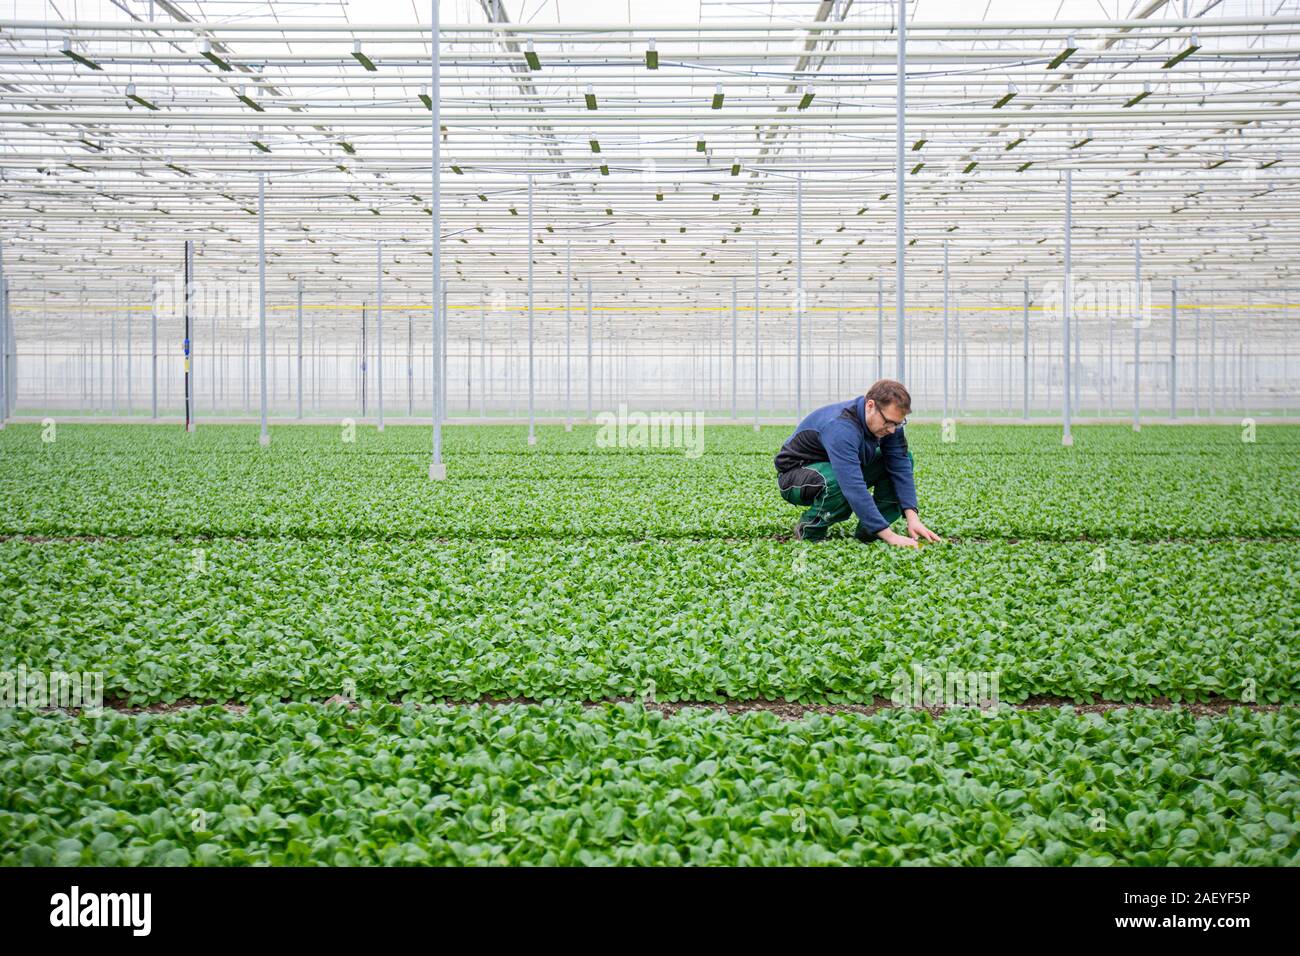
[(883, 419)]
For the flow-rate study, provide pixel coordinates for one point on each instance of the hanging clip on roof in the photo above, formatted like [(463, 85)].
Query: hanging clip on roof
[(1146, 91), (1192, 46), (135, 97), (361, 58), (73, 55), (1071, 48), (206, 51)]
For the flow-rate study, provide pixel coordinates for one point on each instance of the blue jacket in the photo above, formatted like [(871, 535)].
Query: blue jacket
[(838, 434)]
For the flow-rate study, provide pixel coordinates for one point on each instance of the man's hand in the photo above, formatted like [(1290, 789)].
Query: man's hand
[(890, 536), (917, 530)]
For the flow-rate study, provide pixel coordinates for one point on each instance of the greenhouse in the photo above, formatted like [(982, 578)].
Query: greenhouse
[(703, 432)]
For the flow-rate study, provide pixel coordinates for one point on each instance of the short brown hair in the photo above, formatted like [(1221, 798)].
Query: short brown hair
[(889, 392)]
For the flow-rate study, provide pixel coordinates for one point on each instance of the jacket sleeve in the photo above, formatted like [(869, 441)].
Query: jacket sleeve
[(899, 468), (840, 440)]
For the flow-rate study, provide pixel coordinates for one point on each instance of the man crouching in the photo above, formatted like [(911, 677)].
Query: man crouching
[(841, 451)]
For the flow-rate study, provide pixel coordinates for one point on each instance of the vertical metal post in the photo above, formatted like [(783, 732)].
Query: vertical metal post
[(1214, 312), (1137, 335), (185, 345), (899, 186), (10, 350), (1078, 360), (945, 330), (1173, 348), (1244, 346), (1196, 362), (445, 327), (379, 333), (880, 327), (4, 340), (299, 375), (735, 361), (1110, 361), (532, 436), (129, 344), (437, 469), (153, 348), (265, 437), (839, 350), (482, 359), (1066, 294), (410, 366), (798, 298), (1024, 358), (568, 335), (112, 349), (589, 362), (756, 311)]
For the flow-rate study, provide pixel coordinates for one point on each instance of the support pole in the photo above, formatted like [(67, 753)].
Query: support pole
[(756, 311), (410, 365), (153, 348), (899, 245), (482, 360), (112, 350), (1066, 438), (1024, 357), (798, 298), (1078, 361), (130, 344), (379, 334), (735, 361), (1110, 361), (185, 345), (265, 437), (880, 327), (1196, 363), (4, 340), (299, 349), (839, 351), (532, 435), (1173, 348), (568, 336), (1214, 312), (589, 362), (10, 349), (445, 326), (437, 469), (945, 330), (1137, 335)]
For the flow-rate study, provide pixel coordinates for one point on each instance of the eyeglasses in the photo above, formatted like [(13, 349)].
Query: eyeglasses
[(889, 421)]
